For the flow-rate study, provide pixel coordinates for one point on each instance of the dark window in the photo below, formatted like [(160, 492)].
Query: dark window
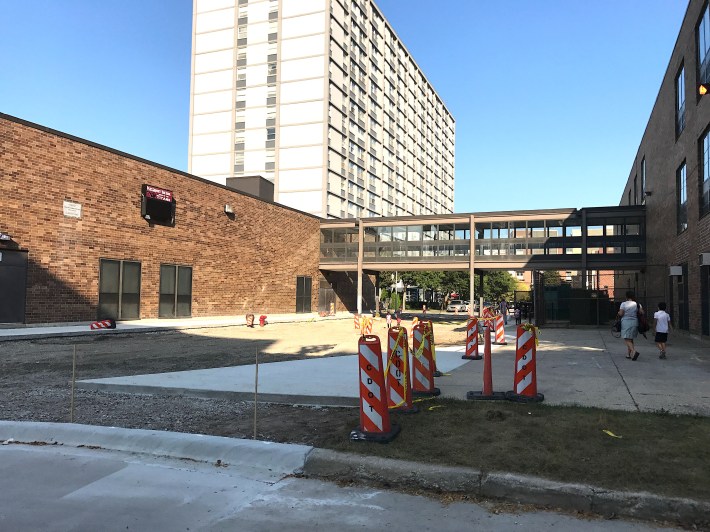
[(119, 289), (680, 102), (643, 180), (303, 294), (704, 172), (175, 291), (705, 300), (704, 47), (682, 195), (636, 190)]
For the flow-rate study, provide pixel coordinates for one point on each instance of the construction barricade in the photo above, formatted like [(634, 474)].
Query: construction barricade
[(472, 340), (422, 363), (397, 374), (499, 321), (430, 325), (525, 380), (357, 322), (487, 394), (415, 321), (365, 325), (103, 324), (375, 422)]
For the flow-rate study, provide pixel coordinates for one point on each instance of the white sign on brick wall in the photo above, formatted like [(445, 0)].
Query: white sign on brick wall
[(72, 210)]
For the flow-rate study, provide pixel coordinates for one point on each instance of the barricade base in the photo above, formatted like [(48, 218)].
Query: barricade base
[(475, 357), (478, 396), (500, 343), (378, 437), (518, 398), (438, 373), (433, 393)]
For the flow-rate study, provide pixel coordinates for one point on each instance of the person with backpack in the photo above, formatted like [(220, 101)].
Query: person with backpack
[(662, 324)]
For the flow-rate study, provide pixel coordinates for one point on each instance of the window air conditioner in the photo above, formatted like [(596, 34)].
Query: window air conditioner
[(675, 270), (704, 259)]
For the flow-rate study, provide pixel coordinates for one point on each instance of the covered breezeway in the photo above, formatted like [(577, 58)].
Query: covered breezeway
[(594, 242)]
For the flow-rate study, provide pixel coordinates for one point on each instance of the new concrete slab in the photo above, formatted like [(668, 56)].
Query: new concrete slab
[(319, 381)]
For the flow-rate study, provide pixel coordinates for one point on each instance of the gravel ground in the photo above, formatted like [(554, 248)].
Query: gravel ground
[(35, 378)]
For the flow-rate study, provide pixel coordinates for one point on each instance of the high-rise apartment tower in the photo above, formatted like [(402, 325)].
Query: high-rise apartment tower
[(322, 98)]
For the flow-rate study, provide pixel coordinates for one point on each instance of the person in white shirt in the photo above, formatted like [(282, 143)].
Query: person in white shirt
[(662, 322), (628, 312)]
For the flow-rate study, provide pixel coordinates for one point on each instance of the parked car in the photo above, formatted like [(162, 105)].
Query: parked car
[(457, 305)]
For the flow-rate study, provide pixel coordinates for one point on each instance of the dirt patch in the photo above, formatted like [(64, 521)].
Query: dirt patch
[(35, 378)]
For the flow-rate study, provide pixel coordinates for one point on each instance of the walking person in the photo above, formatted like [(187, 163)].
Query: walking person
[(389, 319), (518, 315), (504, 310), (628, 312), (662, 324)]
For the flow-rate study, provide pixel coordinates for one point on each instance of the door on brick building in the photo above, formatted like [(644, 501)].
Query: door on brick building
[(13, 285), (303, 294), (119, 289), (175, 291)]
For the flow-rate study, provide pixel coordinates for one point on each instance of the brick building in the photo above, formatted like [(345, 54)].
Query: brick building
[(671, 176), (75, 244)]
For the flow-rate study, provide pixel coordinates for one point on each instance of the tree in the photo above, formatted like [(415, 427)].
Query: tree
[(552, 278), (498, 285)]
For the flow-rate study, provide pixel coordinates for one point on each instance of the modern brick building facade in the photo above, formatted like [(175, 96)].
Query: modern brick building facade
[(671, 176), (71, 209)]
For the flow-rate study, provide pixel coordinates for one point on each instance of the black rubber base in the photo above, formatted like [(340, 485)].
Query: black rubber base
[(434, 393), (478, 396), (378, 437), (477, 357), (438, 373), (502, 343), (517, 398)]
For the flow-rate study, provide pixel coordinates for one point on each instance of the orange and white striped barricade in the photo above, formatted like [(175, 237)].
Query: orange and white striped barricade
[(368, 326), (472, 340), (357, 322), (430, 324), (487, 394), (103, 324), (487, 312), (374, 414), (525, 380), (500, 329), (397, 375), (422, 363)]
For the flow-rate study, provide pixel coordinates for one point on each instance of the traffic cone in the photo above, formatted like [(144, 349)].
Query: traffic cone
[(374, 415), (472, 340), (397, 375), (500, 330), (487, 394), (422, 363), (525, 380)]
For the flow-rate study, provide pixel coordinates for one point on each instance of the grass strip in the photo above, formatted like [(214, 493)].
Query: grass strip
[(658, 452)]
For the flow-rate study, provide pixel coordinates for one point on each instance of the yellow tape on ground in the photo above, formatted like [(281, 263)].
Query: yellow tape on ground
[(610, 433), (435, 406)]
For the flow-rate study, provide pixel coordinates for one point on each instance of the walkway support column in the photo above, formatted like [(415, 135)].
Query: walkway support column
[(471, 263), (360, 258)]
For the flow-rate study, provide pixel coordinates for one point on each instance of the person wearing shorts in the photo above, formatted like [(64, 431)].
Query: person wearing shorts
[(662, 322), (628, 312)]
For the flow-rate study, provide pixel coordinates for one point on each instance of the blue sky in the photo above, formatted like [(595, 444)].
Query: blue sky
[(550, 97)]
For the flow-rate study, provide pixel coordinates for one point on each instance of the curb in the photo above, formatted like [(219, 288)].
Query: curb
[(274, 459), (332, 465)]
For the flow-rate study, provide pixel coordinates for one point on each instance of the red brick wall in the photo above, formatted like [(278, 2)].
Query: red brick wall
[(246, 264)]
